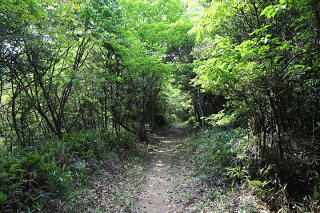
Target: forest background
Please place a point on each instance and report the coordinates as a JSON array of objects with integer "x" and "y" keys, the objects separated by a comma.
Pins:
[{"x": 82, "y": 80}]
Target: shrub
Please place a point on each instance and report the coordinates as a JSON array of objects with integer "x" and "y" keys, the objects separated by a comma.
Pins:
[
  {"x": 216, "y": 151},
  {"x": 26, "y": 178}
]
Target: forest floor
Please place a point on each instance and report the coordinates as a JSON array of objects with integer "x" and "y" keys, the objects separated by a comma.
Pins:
[{"x": 164, "y": 181}]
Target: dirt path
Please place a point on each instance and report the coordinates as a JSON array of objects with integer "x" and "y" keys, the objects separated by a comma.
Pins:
[
  {"x": 170, "y": 185},
  {"x": 157, "y": 194}
]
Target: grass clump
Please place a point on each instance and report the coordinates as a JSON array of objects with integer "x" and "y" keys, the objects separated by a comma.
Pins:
[
  {"x": 29, "y": 179},
  {"x": 215, "y": 151}
]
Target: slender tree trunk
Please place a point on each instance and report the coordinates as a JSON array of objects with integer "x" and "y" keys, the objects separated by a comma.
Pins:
[
  {"x": 142, "y": 134},
  {"x": 14, "y": 119},
  {"x": 13, "y": 112},
  {"x": 276, "y": 120}
]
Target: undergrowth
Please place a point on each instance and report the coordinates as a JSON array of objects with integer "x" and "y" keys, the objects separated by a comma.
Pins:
[
  {"x": 227, "y": 158},
  {"x": 214, "y": 152},
  {"x": 43, "y": 177}
]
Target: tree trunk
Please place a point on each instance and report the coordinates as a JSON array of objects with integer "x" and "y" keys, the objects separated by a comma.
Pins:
[
  {"x": 276, "y": 120},
  {"x": 142, "y": 132}
]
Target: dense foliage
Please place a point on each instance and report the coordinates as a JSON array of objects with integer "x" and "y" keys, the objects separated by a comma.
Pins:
[
  {"x": 76, "y": 78},
  {"x": 263, "y": 57}
]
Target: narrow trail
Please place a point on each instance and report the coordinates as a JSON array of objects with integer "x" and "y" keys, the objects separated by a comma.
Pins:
[
  {"x": 167, "y": 184},
  {"x": 157, "y": 194}
]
